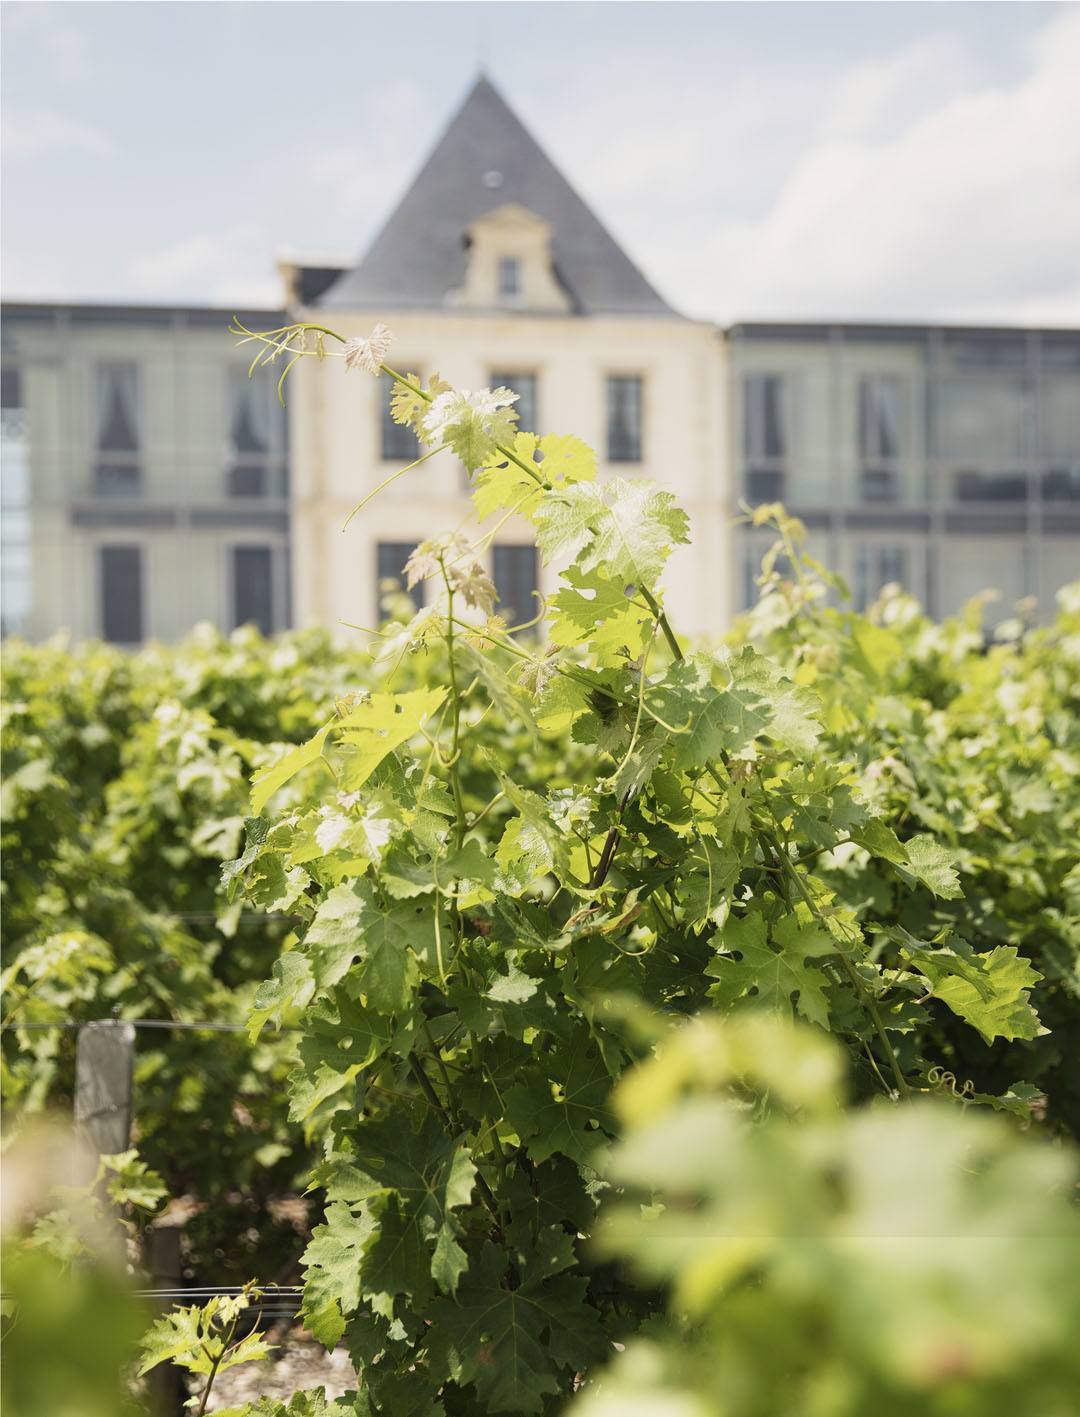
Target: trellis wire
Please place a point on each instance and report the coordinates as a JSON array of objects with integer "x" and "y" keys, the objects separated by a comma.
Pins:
[
  {"x": 278, "y": 1301},
  {"x": 166, "y": 1023}
]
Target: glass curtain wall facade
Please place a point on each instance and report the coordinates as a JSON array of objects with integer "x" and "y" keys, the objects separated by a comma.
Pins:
[
  {"x": 15, "y": 511},
  {"x": 945, "y": 459},
  {"x": 145, "y": 476}
]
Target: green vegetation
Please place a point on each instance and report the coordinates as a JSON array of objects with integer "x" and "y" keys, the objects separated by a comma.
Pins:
[
  {"x": 126, "y": 781},
  {"x": 920, "y": 1260},
  {"x": 578, "y": 938}
]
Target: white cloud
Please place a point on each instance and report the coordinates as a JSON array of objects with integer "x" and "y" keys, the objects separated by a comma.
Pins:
[
  {"x": 231, "y": 266},
  {"x": 39, "y": 275},
  {"x": 878, "y": 97},
  {"x": 903, "y": 187},
  {"x": 33, "y": 133}
]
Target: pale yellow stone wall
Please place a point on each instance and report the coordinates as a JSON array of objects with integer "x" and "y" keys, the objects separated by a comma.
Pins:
[{"x": 335, "y": 446}]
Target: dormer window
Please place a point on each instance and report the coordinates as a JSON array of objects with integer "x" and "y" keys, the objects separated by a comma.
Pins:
[
  {"x": 509, "y": 264},
  {"x": 509, "y": 277}
]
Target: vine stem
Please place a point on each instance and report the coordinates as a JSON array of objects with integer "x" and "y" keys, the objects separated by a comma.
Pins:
[
  {"x": 215, "y": 1364},
  {"x": 869, "y": 1002},
  {"x": 209, "y": 1384},
  {"x": 417, "y": 1070},
  {"x": 662, "y": 620},
  {"x": 455, "y": 714}
]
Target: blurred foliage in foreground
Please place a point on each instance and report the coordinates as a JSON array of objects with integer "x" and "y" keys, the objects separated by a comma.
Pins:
[
  {"x": 70, "y": 1322},
  {"x": 829, "y": 1262}
]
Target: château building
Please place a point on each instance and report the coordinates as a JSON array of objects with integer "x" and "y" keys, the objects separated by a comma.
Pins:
[
  {"x": 492, "y": 270},
  {"x": 149, "y": 485}
]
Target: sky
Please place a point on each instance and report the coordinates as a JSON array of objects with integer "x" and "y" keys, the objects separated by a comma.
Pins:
[{"x": 767, "y": 160}]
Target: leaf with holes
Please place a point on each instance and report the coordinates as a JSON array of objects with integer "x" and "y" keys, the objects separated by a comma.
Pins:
[{"x": 775, "y": 978}]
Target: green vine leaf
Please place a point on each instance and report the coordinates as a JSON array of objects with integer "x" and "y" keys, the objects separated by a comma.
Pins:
[
  {"x": 350, "y": 926},
  {"x": 517, "y": 1344},
  {"x": 990, "y": 991},
  {"x": 625, "y": 530},
  {"x": 291, "y": 986},
  {"x": 340, "y": 1040},
  {"x": 706, "y": 721},
  {"x": 332, "y": 1279},
  {"x": 562, "y": 1107},
  {"x": 593, "y": 609},
  {"x": 781, "y": 979},
  {"x": 267, "y": 782},
  {"x": 412, "y": 1180},
  {"x": 381, "y": 724},
  {"x": 933, "y": 865}
]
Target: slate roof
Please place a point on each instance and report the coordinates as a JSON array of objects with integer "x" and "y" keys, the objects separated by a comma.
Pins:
[{"x": 420, "y": 253}]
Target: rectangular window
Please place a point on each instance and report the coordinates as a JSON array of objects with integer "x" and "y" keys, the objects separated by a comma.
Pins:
[
  {"x": 515, "y": 573},
  {"x": 15, "y": 509},
  {"x": 879, "y": 418},
  {"x": 1062, "y": 484},
  {"x": 751, "y": 571},
  {"x": 116, "y": 468},
  {"x": 390, "y": 558},
  {"x": 624, "y": 418},
  {"x": 983, "y": 433},
  {"x": 765, "y": 440},
  {"x": 248, "y": 449},
  {"x": 121, "y": 583},
  {"x": 879, "y": 437},
  {"x": 247, "y": 480},
  {"x": 509, "y": 277},
  {"x": 764, "y": 417},
  {"x": 1061, "y": 437},
  {"x": 398, "y": 443},
  {"x": 10, "y": 389},
  {"x": 524, "y": 385},
  {"x": 879, "y": 484},
  {"x": 876, "y": 567},
  {"x": 764, "y": 484},
  {"x": 253, "y": 587},
  {"x": 971, "y": 485}
]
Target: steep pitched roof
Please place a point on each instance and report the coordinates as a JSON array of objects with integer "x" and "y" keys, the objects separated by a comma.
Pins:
[{"x": 484, "y": 160}]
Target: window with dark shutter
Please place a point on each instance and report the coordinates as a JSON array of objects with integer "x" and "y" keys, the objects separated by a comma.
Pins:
[
  {"x": 398, "y": 443},
  {"x": 876, "y": 567},
  {"x": 879, "y": 437},
  {"x": 624, "y": 418},
  {"x": 253, "y": 587},
  {"x": 10, "y": 387},
  {"x": 524, "y": 385},
  {"x": 121, "y": 578},
  {"x": 515, "y": 573},
  {"x": 390, "y": 558},
  {"x": 765, "y": 439}
]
